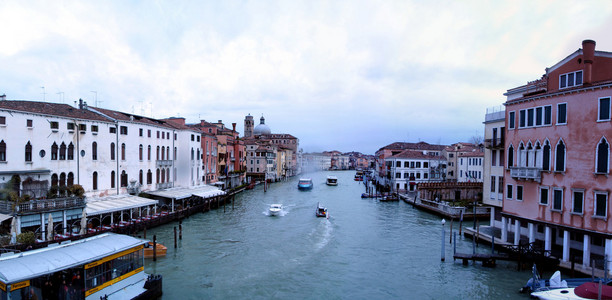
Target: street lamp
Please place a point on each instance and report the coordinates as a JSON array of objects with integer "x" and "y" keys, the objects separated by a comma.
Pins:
[{"x": 442, "y": 251}]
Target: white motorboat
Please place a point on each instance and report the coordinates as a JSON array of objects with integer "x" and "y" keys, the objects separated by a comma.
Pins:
[
  {"x": 589, "y": 290},
  {"x": 332, "y": 180},
  {"x": 275, "y": 209}
]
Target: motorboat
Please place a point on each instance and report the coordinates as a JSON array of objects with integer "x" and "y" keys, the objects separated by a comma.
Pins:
[
  {"x": 537, "y": 284},
  {"x": 275, "y": 209},
  {"x": 332, "y": 180},
  {"x": 588, "y": 290},
  {"x": 160, "y": 250},
  {"x": 321, "y": 211},
  {"x": 305, "y": 184}
]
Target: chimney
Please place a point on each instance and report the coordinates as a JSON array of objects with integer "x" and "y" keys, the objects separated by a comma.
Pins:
[
  {"x": 588, "y": 54},
  {"x": 233, "y": 126},
  {"x": 80, "y": 103}
]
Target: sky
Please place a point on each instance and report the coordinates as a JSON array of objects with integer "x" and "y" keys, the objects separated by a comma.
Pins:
[{"x": 338, "y": 75}]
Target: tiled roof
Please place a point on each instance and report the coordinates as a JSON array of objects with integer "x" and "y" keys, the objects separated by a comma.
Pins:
[
  {"x": 122, "y": 116},
  {"x": 51, "y": 109},
  {"x": 417, "y": 155},
  {"x": 413, "y": 146},
  {"x": 472, "y": 154}
]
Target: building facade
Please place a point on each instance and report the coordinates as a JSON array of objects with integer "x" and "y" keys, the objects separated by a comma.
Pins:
[{"x": 493, "y": 166}]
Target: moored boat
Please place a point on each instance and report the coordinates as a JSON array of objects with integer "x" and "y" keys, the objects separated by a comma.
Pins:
[
  {"x": 305, "y": 184},
  {"x": 321, "y": 211},
  {"x": 589, "y": 290},
  {"x": 332, "y": 180},
  {"x": 275, "y": 209},
  {"x": 160, "y": 250}
]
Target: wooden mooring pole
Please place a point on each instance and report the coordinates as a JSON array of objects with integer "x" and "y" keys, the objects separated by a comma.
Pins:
[
  {"x": 450, "y": 236},
  {"x": 180, "y": 230},
  {"x": 174, "y": 236},
  {"x": 154, "y": 248},
  {"x": 144, "y": 233}
]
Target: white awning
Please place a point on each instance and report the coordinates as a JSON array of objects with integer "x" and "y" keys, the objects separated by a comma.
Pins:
[
  {"x": 4, "y": 217},
  {"x": 207, "y": 191},
  {"x": 204, "y": 191},
  {"x": 173, "y": 193},
  {"x": 97, "y": 206}
]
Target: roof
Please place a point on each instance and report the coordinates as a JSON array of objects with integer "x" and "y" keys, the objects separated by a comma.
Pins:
[
  {"x": 31, "y": 264},
  {"x": 472, "y": 154},
  {"x": 417, "y": 155},
  {"x": 413, "y": 146},
  {"x": 115, "y": 203},
  {"x": 126, "y": 117},
  {"x": 51, "y": 109},
  {"x": 204, "y": 191}
]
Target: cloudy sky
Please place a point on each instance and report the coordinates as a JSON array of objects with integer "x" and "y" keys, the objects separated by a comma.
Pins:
[{"x": 339, "y": 75}]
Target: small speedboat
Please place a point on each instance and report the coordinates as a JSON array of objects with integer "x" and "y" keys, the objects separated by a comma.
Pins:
[
  {"x": 321, "y": 211},
  {"x": 160, "y": 250},
  {"x": 589, "y": 290},
  {"x": 332, "y": 180},
  {"x": 305, "y": 184},
  {"x": 275, "y": 209}
]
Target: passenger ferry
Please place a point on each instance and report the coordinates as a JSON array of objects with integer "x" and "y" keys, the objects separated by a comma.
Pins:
[
  {"x": 332, "y": 180},
  {"x": 305, "y": 184},
  {"x": 105, "y": 266}
]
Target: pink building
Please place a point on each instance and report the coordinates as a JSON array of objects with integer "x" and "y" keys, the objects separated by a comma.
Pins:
[{"x": 558, "y": 158}]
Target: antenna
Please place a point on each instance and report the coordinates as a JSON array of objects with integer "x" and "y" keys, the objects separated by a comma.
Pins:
[
  {"x": 96, "y": 93},
  {"x": 61, "y": 96},
  {"x": 141, "y": 107},
  {"x": 43, "y": 93}
]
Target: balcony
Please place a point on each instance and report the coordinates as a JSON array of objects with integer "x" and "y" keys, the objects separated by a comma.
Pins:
[
  {"x": 46, "y": 205},
  {"x": 163, "y": 163},
  {"x": 526, "y": 173},
  {"x": 165, "y": 185},
  {"x": 497, "y": 143}
]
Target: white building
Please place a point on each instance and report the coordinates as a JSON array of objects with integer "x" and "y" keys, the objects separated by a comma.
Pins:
[
  {"x": 493, "y": 166},
  {"x": 469, "y": 166},
  {"x": 408, "y": 168}
]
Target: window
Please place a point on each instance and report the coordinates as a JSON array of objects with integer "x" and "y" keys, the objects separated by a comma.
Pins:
[
  {"x": 493, "y": 157},
  {"x": 148, "y": 132},
  {"x": 94, "y": 129},
  {"x": 149, "y": 153},
  {"x": 510, "y": 156},
  {"x": 157, "y": 176},
  {"x": 28, "y": 123},
  {"x": 124, "y": 179},
  {"x": 94, "y": 151},
  {"x": 561, "y": 113},
  {"x": 570, "y": 79},
  {"x": 95, "y": 180},
  {"x": 70, "y": 181},
  {"x": 500, "y": 188},
  {"x": 82, "y": 128},
  {"x": 450, "y": 155},
  {"x": 509, "y": 191},
  {"x": 602, "y": 157},
  {"x": 544, "y": 195},
  {"x": 198, "y": 138},
  {"x": 175, "y": 153},
  {"x": 123, "y": 130},
  {"x": 70, "y": 151},
  {"x": 398, "y": 164},
  {"x": 557, "y": 199},
  {"x": 158, "y": 134},
  {"x": 175, "y": 136},
  {"x": 62, "y": 151},
  {"x": 406, "y": 164},
  {"x": 425, "y": 164},
  {"x": 546, "y": 157},
  {"x": 577, "y": 201},
  {"x": 548, "y": 115},
  {"x": 560, "y": 157},
  {"x": 519, "y": 192},
  {"x": 54, "y": 150},
  {"x": 530, "y": 113},
  {"x": 140, "y": 133},
  {"x": 3, "y": 150},
  {"x": 54, "y": 125},
  {"x": 522, "y": 122},
  {"x": 112, "y": 130},
  {"x": 28, "y": 152},
  {"x": 70, "y": 126},
  {"x": 112, "y": 151},
  {"x": 604, "y": 109},
  {"x": 140, "y": 177},
  {"x": 122, "y": 151},
  {"x": 492, "y": 184},
  {"x": 112, "y": 179},
  {"x": 601, "y": 204},
  {"x": 149, "y": 177},
  {"x": 140, "y": 150},
  {"x": 157, "y": 154},
  {"x": 398, "y": 175},
  {"x": 62, "y": 180},
  {"x": 511, "y": 119},
  {"x": 538, "y": 116},
  {"x": 2, "y": 120},
  {"x": 163, "y": 153}
]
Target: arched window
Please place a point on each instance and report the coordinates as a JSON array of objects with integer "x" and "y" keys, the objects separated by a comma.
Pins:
[
  {"x": 163, "y": 149},
  {"x": 54, "y": 150},
  {"x": 140, "y": 153},
  {"x": 157, "y": 156},
  {"x": 168, "y": 175},
  {"x": 157, "y": 176},
  {"x": 560, "y": 157},
  {"x": 3, "y": 150},
  {"x": 603, "y": 157},
  {"x": 510, "y": 156},
  {"x": 192, "y": 154},
  {"x": 198, "y": 156},
  {"x": 62, "y": 180},
  {"x": 174, "y": 153},
  {"x": 28, "y": 152},
  {"x": 140, "y": 175},
  {"x": 168, "y": 153},
  {"x": 70, "y": 151},
  {"x": 149, "y": 153},
  {"x": 149, "y": 177},
  {"x": 94, "y": 151},
  {"x": 124, "y": 179},
  {"x": 62, "y": 152},
  {"x": 112, "y": 179},
  {"x": 70, "y": 179},
  {"x": 546, "y": 157},
  {"x": 529, "y": 161},
  {"x": 95, "y": 181},
  {"x": 522, "y": 155},
  {"x": 54, "y": 180},
  {"x": 163, "y": 175},
  {"x": 123, "y": 151},
  {"x": 112, "y": 149}
]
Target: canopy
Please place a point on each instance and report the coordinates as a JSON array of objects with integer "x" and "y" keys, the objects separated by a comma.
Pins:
[
  {"x": 116, "y": 203},
  {"x": 35, "y": 263},
  {"x": 4, "y": 217},
  {"x": 204, "y": 191}
]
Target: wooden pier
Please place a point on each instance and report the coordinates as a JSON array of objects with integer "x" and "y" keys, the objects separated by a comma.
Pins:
[{"x": 486, "y": 259}]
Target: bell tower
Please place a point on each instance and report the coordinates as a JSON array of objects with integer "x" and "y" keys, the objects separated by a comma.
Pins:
[{"x": 248, "y": 126}]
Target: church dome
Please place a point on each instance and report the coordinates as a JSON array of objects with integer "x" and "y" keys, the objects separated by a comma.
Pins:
[{"x": 262, "y": 128}]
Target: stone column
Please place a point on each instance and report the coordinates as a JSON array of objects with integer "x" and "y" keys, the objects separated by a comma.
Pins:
[
  {"x": 531, "y": 228},
  {"x": 547, "y": 239},
  {"x": 43, "y": 230},
  {"x": 64, "y": 221},
  {"x": 504, "y": 229},
  {"x": 566, "y": 246},
  {"x": 517, "y": 232},
  {"x": 492, "y": 218},
  {"x": 608, "y": 254},
  {"x": 586, "y": 250}
]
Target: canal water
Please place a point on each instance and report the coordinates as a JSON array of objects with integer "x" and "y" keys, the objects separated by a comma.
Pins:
[{"x": 367, "y": 249}]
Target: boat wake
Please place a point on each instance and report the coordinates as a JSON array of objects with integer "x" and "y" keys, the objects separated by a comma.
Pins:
[{"x": 324, "y": 234}]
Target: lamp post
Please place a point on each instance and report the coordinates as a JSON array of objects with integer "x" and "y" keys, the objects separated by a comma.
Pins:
[{"x": 442, "y": 251}]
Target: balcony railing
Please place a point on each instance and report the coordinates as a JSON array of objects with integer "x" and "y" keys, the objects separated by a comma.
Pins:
[
  {"x": 35, "y": 206},
  {"x": 526, "y": 173},
  {"x": 164, "y": 185},
  {"x": 163, "y": 163},
  {"x": 494, "y": 143}
]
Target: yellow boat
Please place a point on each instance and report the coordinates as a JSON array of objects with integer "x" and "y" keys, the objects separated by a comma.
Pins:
[{"x": 161, "y": 250}]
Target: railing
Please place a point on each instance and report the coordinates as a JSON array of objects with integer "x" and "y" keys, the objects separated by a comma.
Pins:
[
  {"x": 163, "y": 163},
  {"x": 494, "y": 143},
  {"x": 164, "y": 185},
  {"x": 6, "y": 207},
  {"x": 526, "y": 173},
  {"x": 454, "y": 211}
]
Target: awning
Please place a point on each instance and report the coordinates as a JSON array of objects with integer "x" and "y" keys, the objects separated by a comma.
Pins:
[
  {"x": 207, "y": 191},
  {"x": 4, "y": 217},
  {"x": 97, "y": 206},
  {"x": 172, "y": 193},
  {"x": 203, "y": 191}
]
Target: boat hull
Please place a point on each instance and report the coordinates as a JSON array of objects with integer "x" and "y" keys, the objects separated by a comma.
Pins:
[{"x": 160, "y": 251}]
